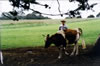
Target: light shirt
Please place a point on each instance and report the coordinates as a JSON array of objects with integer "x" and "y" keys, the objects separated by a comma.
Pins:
[{"x": 63, "y": 27}]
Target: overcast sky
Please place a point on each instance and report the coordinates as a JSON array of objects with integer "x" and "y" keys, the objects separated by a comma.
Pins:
[{"x": 65, "y": 7}]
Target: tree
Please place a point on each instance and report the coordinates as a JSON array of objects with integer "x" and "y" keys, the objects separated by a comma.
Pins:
[
  {"x": 91, "y": 16},
  {"x": 98, "y": 15},
  {"x": 25, "y": 4},
  {"x": 35, "y": 15},
  {"x": 79, "y": 17}
]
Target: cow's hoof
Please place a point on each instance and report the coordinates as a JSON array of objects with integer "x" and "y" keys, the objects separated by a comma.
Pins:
[
  {"x": 66, "y": 53},
  {"x": 72, "y": 54},
  {"x": 76, "y": 54},
  {"x": 59, "y": 57}
]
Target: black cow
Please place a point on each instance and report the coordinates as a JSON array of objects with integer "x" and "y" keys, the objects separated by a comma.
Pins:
[{"x": 58, "y": 40}]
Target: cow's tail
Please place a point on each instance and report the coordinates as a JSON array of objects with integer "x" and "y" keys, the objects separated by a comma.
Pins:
[
  {"x": 83, "y": 44},
  {"x": 83, "y": 41}
]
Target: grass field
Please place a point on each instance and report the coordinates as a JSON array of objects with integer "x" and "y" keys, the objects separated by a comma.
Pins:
[{"x": 28, "y": 33}]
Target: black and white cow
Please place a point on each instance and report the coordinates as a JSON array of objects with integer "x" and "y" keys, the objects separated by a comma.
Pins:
[
  {"x": 58, "y": 40},
  {"x": 62, "y": 38}
]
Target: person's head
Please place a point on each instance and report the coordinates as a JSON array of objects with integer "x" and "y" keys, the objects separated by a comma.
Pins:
[{"x": 63, "y": 22}]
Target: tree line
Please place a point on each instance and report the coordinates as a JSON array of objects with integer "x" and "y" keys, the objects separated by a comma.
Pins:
[
  {"x": 35, "y": 15},
  {"x": 32, "y": 15}
]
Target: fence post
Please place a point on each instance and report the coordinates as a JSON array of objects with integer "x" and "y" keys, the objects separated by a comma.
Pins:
[{"x": 1, "y": 56}]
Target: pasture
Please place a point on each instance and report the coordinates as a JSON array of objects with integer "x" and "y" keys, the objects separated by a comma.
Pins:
[
  {"x": 28, "y": 33},
  {"x": 23, "y": 43}
]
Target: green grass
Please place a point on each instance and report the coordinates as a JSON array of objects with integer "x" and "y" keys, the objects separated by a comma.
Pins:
[{"x": 28, "y": 33}]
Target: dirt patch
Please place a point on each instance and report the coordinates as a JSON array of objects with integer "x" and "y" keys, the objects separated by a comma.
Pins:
[{"x": 39, "y": 55}]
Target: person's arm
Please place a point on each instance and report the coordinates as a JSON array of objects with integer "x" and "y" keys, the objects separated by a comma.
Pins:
[
  {"x": 66, "y": 26},
  {"x": 60, "y": 28}
]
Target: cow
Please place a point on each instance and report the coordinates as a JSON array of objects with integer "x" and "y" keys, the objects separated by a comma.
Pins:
[
  {"x": 72, "y": 37},
  {"x": 63, "y": 38},
  {"x": 58, "y": 40}
]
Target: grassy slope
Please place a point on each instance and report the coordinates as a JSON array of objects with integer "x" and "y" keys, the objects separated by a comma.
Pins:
[{"x": 29, "y": 32}]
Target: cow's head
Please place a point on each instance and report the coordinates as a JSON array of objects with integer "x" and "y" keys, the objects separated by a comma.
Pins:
[{"x": 48, "y": 41}]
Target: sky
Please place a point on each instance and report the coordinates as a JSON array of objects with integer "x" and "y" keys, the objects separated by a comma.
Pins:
[{"x": 65, "y": 6}]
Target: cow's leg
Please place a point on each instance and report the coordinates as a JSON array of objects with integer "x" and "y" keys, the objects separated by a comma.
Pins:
[
  {"x": 73, "y": 50},
  {"x": 77, "y": 50},
  {"x": 60, "y": 52},
  {"x": 66, "y": 51}
]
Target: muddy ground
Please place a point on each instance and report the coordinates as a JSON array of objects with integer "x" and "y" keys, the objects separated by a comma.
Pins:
[{"x": 38, "y": 55}]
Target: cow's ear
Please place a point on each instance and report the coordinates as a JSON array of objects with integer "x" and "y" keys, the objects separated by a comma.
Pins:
[{"x": 48, "y": 35}]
